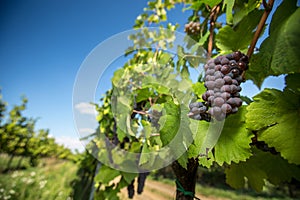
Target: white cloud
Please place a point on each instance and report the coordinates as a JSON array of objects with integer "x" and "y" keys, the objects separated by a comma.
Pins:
[
  {"x": 86, "y": 130},
  {"x": 70, "y": 142},
  {"x": 86, "y": 108}
]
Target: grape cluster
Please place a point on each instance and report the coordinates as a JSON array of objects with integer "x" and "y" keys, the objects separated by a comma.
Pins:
[
  {"x": 223, "y": 76},
  {"x": 198, "y": 111},
  {"x": 192, "y": 28},
  {"x": 141, "y": 184},
  {"x": 130, "y": 189}
]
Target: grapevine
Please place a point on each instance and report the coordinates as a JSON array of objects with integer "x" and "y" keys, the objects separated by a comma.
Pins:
[{"x": 251, "y": 131}]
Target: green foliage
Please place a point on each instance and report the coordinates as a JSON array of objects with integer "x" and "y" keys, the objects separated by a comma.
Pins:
[
  {"x": 232, "y": 145},
  {"x": 260, "y": 167},
  {"x": 280, "y": 124},
  {"x": 156, "y": 82},
  {"x": 235, "y": 38},
  {"x": 106, "y": 174},
  {"x": 18, "y": 137},
  {"x": 278, "y": 53}
]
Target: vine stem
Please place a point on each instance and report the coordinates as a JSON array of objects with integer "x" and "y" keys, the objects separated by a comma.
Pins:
[
  {"x": 140, "y": 112},
  {"x": 213, "y": 17},
  {"x": 268, "y": 7}
]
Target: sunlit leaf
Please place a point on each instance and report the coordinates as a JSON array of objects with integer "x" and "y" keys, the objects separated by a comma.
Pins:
[{"x": 275, "y": 115}]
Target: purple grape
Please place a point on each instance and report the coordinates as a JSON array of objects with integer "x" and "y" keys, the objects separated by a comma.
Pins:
[
  {"x": 218, "y": 67},
  {"x": 209, "y": 78},
  {"x": 219, "y": 101},
  {"x": 235, "y": 82},
  {"x": 219, "y": 82},
  {"x": 242, "y": 65},
  {"x": 210, "y": 85},
  {"x": 233, "y": 88},
  {"x": 225, "y": 69},
  {"x": 217, "y": 110},
  {"x": 218, "y": 74},
  {"x": 237, "y": 55},
  {"x": 224, "y": 61},
  {"x": 235, "y": 72},
  {"x": 232, "y": 63},
  {"x": 195, "y": 110},
  {"x": 231, "y": 101},
  {"x": 238, "y": 101},
  {"x": 225, "y": 95},
  {"x": 210, "y": 72},
  {"x": 228, "y": 80},
  {"x": 226, "y": 108},
  {"x": 226, "y": 88}
]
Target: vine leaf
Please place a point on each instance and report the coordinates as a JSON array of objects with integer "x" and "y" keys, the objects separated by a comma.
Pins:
[
  {"x": 279, "y": 52},
  {"x": 106, "y": 174},
  {"x": 243, "y": 8},
  {"x": 238, "y": 37},
  {"x": 262, "y": 165},
  {"x": 236, "y": 173},
  {"x": 229, "y": 7},
  {"x": 128, "y": 177},
  {"x": 199, "y": 89},
  {"x": 275, "y": 115},
  {"x": 211, "y": 3},
  {"x": 233, "y": 144},
  {"x": 292, "y": 82},
  {"x": 199, "y": 128},
  {"x": 175, "y": 132}
]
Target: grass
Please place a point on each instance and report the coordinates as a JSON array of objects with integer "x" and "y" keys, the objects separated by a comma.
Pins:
[
  {"x": 50, "y": 180},
  {"x": 232, "y": 194},
  {"x": 15, "y": 162}
]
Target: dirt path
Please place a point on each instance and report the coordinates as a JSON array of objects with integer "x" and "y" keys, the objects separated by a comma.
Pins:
[{"x": 155, "y": 190}]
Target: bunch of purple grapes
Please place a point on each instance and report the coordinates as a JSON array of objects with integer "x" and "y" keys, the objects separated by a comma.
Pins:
[
  {"x": 223, "y": 76},
  {"x": 192, "y": 28}
]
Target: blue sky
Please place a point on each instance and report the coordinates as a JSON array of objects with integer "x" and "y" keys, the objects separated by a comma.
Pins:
[{"x": 43, "y": 44}]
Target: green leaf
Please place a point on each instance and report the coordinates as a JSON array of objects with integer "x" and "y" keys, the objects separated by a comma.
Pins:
[
  {"x": 236, "y": 172},
  {"x": 170, "y": 125},
  {"x": 145, "y": 156},
  {"x": 183, "y": 160},
  {"x": 282, "y": 13},
  {"x": 211, "y": 3},
  {"x": 143, "y": 94},
  {"x": 243, "y": 8},
  {"x": 293, "y": 83},
  {"x": 233, "y": 144},
  {"x": 262, "y": 165},
  {"x": 277, "y": 169},
  {"x": 229, "y": 8},
  {"x": 106, "y": 174},
  {"x": 199, "y": 89},
  {"x": 286, "y": 58},
  {"x": 279, "y": 52},
  {"x": 128, "y": 177},
  {"x": 199, "y": 128},
  {"x": 276, "y": 117},
  {"x": 239, "y": 37},
  {"x": 117, "y": 77}
]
